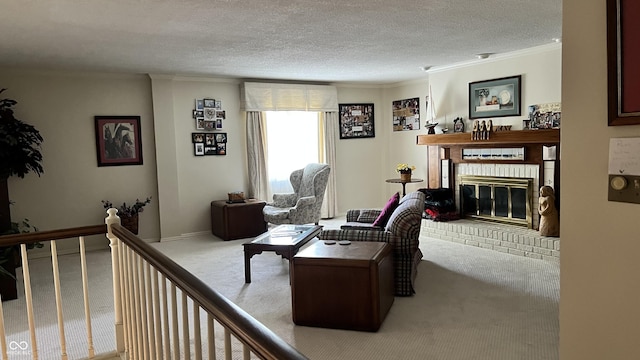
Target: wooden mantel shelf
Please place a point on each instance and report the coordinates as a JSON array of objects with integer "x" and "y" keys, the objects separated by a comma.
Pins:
[{"x": 517, "y": 137}]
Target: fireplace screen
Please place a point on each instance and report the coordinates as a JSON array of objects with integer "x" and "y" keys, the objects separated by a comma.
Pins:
[{"x": 500, "y": 199}]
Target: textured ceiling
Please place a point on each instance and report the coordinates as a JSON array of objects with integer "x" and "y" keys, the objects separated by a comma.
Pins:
[{"x": 357, "y": 41}]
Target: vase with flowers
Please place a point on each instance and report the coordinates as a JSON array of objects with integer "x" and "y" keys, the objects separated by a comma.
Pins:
[
  {"x": 405, "y": 171},
  {"x": 128, "y": 213}
]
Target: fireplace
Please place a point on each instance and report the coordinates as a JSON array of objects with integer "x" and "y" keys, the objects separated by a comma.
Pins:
[
  {"x": 446, "y": 162},
  {"x": 495, "y": 198}
]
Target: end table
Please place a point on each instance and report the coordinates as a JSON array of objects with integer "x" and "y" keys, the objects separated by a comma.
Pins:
[
  {"x": 404, "y": 183},
  {"x": 231, "y": 221}
]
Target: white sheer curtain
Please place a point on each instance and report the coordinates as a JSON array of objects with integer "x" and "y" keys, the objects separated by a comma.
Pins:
[
  {"x": 257, "y": 156},
  {"x": 329, "y": 120}
]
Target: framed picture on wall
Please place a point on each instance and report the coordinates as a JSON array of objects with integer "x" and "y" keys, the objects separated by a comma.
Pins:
[
  {"x": 206, "y": 143},
  {"x": 406, "y": 114},
  {"x": 495, "y": 98},
  {"x": 623, "y": 30},
  {"x": 118, "y": 140},
  {"x": 198, "y": 149},
  {"x": 356, "y": 121}
]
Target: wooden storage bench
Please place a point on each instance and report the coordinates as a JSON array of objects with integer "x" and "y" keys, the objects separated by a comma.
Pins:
[{"x": 342, "y": 286}]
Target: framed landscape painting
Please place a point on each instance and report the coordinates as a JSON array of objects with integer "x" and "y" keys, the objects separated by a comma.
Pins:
[{"x": 118, "y": 140}]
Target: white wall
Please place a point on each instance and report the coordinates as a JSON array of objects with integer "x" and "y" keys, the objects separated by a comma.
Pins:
[
  {"x": 191, "y": 182},
  {"x": 541, "y": 74},
  {"x": 600, "y": 271},
  {"x": 360, "y": 162},
  {"x": 62, "y": 107},
  {"x": 401, "y": 145}
]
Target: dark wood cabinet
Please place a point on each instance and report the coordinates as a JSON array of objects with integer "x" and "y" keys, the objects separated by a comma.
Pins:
[
  {"x": 342, "y": 286},
  {"x": 231, "y": 221}
]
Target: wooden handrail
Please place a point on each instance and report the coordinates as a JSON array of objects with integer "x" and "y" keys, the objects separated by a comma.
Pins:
[
  {"x": 246, "y": 328},
  {"x": 27, "y": 238},
  {"x": 264, "y": 342}
]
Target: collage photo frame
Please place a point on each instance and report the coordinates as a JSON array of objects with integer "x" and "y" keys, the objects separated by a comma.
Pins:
[{"x": 206, "y": 143}]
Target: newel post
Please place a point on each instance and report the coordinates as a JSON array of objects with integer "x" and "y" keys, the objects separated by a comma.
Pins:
[{"x": 115, "y": 266}]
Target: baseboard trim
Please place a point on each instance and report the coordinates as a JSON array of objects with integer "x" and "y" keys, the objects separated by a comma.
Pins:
[{"x": 184, "y": 236}]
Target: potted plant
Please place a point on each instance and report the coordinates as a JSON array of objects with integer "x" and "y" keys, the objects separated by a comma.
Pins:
[
  {"x": 405, "y": 171},
  {"x": 19, "y": 155},
  {"x": 129, "y": 213},
  {"x": 10, "y": 259}
]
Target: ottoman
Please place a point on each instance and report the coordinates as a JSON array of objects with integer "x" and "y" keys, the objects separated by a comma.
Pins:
[{"x": 342, "y": 286}]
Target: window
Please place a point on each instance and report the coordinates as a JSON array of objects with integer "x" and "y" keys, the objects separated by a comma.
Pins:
[{"x": 292, "y": 142}]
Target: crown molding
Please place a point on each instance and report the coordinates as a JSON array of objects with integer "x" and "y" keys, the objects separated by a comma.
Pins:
[{"x": 498, "y": 57}]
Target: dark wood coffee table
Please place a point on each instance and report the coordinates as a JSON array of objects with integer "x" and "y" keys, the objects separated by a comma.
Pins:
[{"x": 284, "y": 240}]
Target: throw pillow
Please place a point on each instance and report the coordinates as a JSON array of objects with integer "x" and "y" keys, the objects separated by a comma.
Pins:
[
  {"x": 368, "y": 216},
  {"x": 388, "y": 209}
]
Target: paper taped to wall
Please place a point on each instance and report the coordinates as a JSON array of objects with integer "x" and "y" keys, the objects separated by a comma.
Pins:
[{"x": 624, "y": 156}]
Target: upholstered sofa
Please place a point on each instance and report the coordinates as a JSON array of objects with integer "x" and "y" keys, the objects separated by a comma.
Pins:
[{"x": 402, "y": 230}]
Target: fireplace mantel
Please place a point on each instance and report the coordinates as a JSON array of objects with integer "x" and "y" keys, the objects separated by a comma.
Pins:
[
  {"x": 449, "y": 147},
  {"x": 499, "y": 138}
]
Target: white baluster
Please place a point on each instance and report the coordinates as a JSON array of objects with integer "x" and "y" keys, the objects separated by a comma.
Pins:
[
  {"x": 196, "y": 331},
  {"x": 133, "y": 334},
  {"x": 29, "y": 300},
  {"x": 165, "y": 317},
  {"x": 156, "y": 308},
  {"x": 185, "y": 326},
  {"x": 143, "y": 309},
  {"x": 3, "y": 336},
  {"x": 122, "y": 265},
  {"x": 227, "y": 344},
  {"x": 150, "y": 318},
  {"x": 246, "y": 352},
  {"x": 136, "y": 298},
  {"x": 211, "y": 336},
  {"x": 174, "y": 323},
  {"x": 85, "y": 294},
  {"x": 56, "y": 287}
]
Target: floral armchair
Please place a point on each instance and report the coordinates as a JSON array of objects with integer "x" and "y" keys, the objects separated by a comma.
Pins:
[
  {"x": 303, "y": 205},
  {"x": 402, "y": 230}
]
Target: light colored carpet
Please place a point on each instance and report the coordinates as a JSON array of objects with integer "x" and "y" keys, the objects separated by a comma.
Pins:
[{"x": 470, "y": 303}]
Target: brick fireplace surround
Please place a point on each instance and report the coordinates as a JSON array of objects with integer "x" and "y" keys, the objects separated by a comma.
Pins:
[
  {"x": 445, "y": 163},
  {"x": 515, "y": 240}
]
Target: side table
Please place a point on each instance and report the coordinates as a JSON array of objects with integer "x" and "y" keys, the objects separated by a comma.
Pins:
[
  {"x": 231, "y": 221},
  {"x": 404, "y": 183}
]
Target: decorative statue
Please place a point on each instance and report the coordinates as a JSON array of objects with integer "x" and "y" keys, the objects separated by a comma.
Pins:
[
  {"x": 483, "y": 130},
  {"x": 549, "y": 222},
  {"x": 475, "y": 134}
]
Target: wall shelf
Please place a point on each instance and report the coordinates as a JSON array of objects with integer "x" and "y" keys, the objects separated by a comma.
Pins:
[{"x": 513, "y": 137}]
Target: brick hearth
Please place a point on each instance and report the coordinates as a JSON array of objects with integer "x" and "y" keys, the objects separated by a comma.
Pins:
[{"x": 509, "y": 239}]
